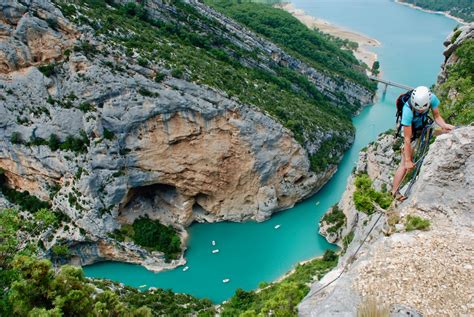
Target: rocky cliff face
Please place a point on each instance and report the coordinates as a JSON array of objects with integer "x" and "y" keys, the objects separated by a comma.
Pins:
[
  {"x": 419, "y": 272},
  {"x": 454, "y": 40},
  {"x": 173, "y": 150}
]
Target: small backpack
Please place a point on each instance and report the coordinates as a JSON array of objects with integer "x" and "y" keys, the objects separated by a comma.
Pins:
[{"x": 401, "y": 101}]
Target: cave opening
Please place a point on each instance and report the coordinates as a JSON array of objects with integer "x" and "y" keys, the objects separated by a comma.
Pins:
[{"x": 148, "y": 200}]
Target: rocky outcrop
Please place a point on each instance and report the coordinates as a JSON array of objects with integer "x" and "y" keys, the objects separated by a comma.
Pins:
[
  {"x": 32, "y": 39},
  {"x": 379, "y": 161},
  {"x": 173, "y": 150},
  {"x": 422, "y": 272},
  {"x": 452, "y": 42}
]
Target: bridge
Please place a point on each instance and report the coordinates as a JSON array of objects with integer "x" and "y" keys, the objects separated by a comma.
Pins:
[{"x": 390, "y": 83}]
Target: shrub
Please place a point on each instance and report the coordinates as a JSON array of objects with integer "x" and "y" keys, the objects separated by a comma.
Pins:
[
  {"x": 37, "y": 141},
  {"x": 160, "y": 77},
  {"x": 86, "y": 107},
  {"x": 416, "y": 223},
  {"x": 177, "y": 72},
  {"x": 455, "y": 35},
  {"x": 48, "y": 70},
  {"x": 109, "y": 135},
  {"x": 78, "y": 145},
  {"x": 146, "y": 93},
  {"x": 365, "y": 196},
  {"x": 370, "y": 308},
  {"x": 142, "y": 62},
  {"x": 16, "y": 138},
  {"x": 54, "y": 142}
]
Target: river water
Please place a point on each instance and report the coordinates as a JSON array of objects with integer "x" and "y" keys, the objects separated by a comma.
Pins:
[{"x": 250, "y": 253}]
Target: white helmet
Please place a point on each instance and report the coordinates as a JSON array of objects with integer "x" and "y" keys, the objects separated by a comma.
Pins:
[{"x": 421, "y": 98}]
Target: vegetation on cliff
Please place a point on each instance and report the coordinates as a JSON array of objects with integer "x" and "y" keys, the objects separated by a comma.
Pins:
[
  {"x": 152, "y": 235},
  {"x": 365, "y": 195},
  {"x": 463, "y": 9},
  {"x": 280, "y": 298},
  {"x": 457, "y": 92},
  {"x": 335, "y": 219}
]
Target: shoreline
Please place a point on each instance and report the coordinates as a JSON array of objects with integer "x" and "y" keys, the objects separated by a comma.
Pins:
[
  {"x": 363, "y": 52},
  {"x": 446, "y": 14}
]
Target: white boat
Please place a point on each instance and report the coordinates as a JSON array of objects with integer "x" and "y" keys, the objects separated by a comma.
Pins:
[
  {"x": 277, "y": 226},
  {"x": 185, "y": 268},
  {"x": 142, "y": 286},
  {"x": 317, "y": 203},
  {"x": 215, "y": 251},
  {"x": 213, "y": 242},
  {"x": 226, "y": 280}
]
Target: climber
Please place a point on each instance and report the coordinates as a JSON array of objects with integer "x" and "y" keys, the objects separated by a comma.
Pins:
[{"x": 414, "y": 117}]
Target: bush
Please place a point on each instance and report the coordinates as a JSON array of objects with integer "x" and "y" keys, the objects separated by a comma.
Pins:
[
  {"x": 109, "y": 135},
  {"x": 146, "y": 93},
  {"x": 48, "y": 70},
  {"x": 16, "y": 138},
  {"x": 78, "y": 145},
  {"x": 365, "y": 196},
  {"x": 416, "y": 223},
  {"x": 455, "y": 35},
  {"x": 177, "y": 72},
  {"x": 160, "y": 77},
  {"x": 86, "y": 107},
  {"x": 53, "y": 142}
]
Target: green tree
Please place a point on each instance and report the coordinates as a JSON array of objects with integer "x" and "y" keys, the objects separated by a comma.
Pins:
[{"x": 375, "y": 68}]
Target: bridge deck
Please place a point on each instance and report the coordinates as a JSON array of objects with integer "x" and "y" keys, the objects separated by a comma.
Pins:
[{"x": 390, "y": 83}]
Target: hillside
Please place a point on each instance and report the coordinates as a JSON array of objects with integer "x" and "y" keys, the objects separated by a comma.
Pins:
[{"x": 463, "y": 9}]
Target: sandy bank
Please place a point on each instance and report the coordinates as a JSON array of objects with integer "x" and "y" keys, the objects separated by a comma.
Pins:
[{"x": 363, "y": 52}]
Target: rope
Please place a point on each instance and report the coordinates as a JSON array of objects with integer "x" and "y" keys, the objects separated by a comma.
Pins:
[
  {"x": 423, "y": 145},
  {"x": 424, "y": 142},
  {"x": 380, "y": 211}
]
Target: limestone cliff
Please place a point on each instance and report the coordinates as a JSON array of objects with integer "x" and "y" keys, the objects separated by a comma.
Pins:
[
  {"x": 80, "y": 114},
  {"x": 422, "y": 272}
]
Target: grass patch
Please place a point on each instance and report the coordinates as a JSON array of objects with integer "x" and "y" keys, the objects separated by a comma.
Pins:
[{"x": 416, "y": 223}]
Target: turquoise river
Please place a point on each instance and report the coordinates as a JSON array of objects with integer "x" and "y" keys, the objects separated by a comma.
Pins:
[{"x": 411, "y": 53}]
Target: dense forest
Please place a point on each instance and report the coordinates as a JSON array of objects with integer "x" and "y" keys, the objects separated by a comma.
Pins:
[{"x": 463, "y": 9}]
